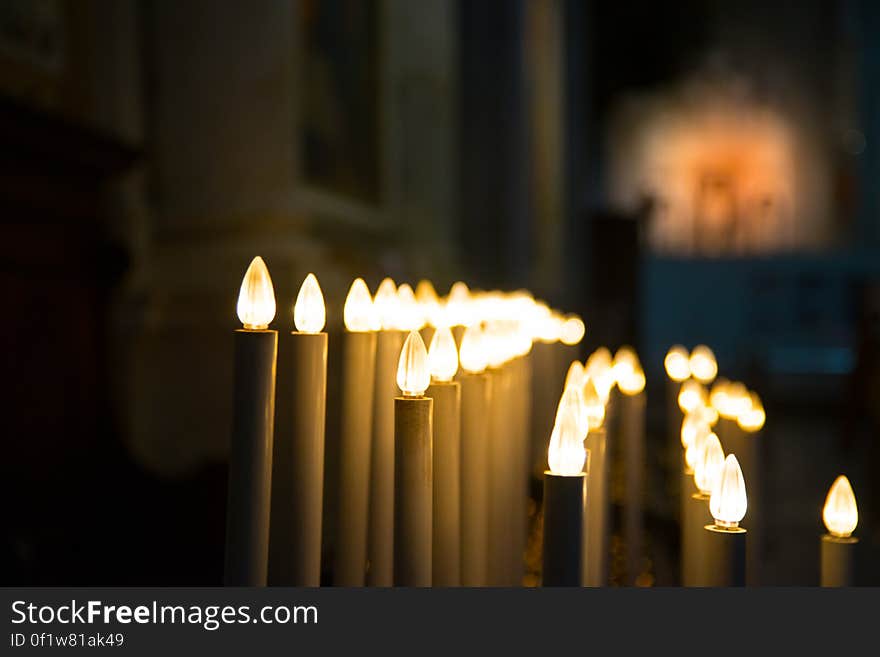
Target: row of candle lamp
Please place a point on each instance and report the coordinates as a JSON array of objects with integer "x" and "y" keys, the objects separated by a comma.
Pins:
[
  {"x": 397, "y": 442},
  {"x": 730, "y": 416}
]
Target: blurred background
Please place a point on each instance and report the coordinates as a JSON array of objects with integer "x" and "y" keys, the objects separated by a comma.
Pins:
[{"x": 696, "y": 171}]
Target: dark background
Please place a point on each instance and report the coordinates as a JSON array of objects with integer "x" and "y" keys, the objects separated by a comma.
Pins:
[{"x": 148, "y": 149}]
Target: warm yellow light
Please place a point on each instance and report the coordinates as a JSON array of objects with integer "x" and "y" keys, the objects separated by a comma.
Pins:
[
  {"x": 545, "y": 325},
  {"x": 409, "y": 316},
  {"x": 413, "y": 377},
  {"x": 575, "y": 375},
  {"x": 256, "y": 298},
  {"x": 309, "y": 314},
  {"x": 458, "y": 305},
  {"x": 358, "y": 312},
  {"x": 840, "y": 514},
  {"x": 573, "y": 330},
  {"x": 691, "y": 396},
  {"x": 429, "y": 303},
  {"x": 707, "y": 469},
  {"x": 495, "y": 344},
  {"x": 694, "y": 451},
  {"x": 692, "y": 424},
  {"x": 386, "y": 304},
  {"x": 572, "y": 401},
  {"x": 753, "y": 419},
  {"x": 566, "y": 454},
  {"x": 593, "y": 404},
  {"x": 632, "y": 382},
  {"x": 706, "y": 413},
  {"x": 677, "y": 363},
  {"x": 599, "y": 368},
  {"x": 472, "y": 353},
  {"x": 702, "y": 363},
  {"x": 625, "y": 361},
  {"x": 718, "y": 397},
  {"x": 738, "y": 401},
  {"x": 728, "y": 503},
  {"x": 443, "y": 355}
]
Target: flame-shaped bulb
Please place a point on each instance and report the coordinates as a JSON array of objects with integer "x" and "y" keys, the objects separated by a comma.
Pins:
[
  {"x": 708, "y": 466},
  {"x": 309, "y": 314},
  {"x": 443, "y": 355},
  {"x": 677, "y": 363},
  {"x": 458, "y": 305},
  {"x": 566, "y": 454},
  {"x": 572, "y": 331},
  {"x": 575, "y": 375},
  {"x": 694, "y": 451},
  {"x": 753, "y": 419},
  {"x": 358, "y": 312},
  {"x": 593, "y": 405},
  {"x": 572, "y": 403},
  {"x": 472, "y": 354},
  {"x": 840, "y": 513},
  {"x": 256, "y": 299},
  {"x": 386, "y": 304},
  {"x": 409, "y": 315},
  {"x": 702, "y": 364},
  {"x": 413, "y": 377},
  {"x": 728, "y": 503},
  {"x": 691, "y": 395}
]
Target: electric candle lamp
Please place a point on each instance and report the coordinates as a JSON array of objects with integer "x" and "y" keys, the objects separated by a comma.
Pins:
[
  {"x": 633, "y": 382},
  {"x": 299, "y": 458},
  {"x": 458, "y": 305},
  {"x": 446, "y": 393},
  {"x": 728, "y": 502},
  {"x": 599, "y": 368},
  {"x": 387, "y": 304},
  {"x": 572, "y": 331},
  {"x": 427, "y": 298},
  {"x": 413, "y": 467},
  {"x": 752, "y": 420},
  {"x": 625, "y": 361},
  {"x": 702, "y": 364},
  {"x": 250, "y": 453},
  {"x": 677, "y": 366},
  {"x": 256, "y": 298},
  {"x": 575, "y": 375},
  {"x": 472, "y": 354},
  {"x": 476, "y": 395},
  {"x": 691, "y": 396},
  {"x": 564, "y": 494},
  {"x": 409, "y": 316},
  {"x": 443, "y": 355},
  {"x": 358, "y": 379},
  {"x": 706, "y": 470},
  {"x": 725, "y": 540},
  {"x": 389, "y": 342},
  {"x": 718, "y": 394},
  {"x": 694, "y": 451},
  {"x": 840, "y": 516},
  {"x": 630, "y": 378},
  {"x": 677, "y": 363},
  {"x": 708, "y": 467},
  {"x": 572, "y": 403},
  {"x": 690, "y": 426},
  {"x": 594, "y": 407}
]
